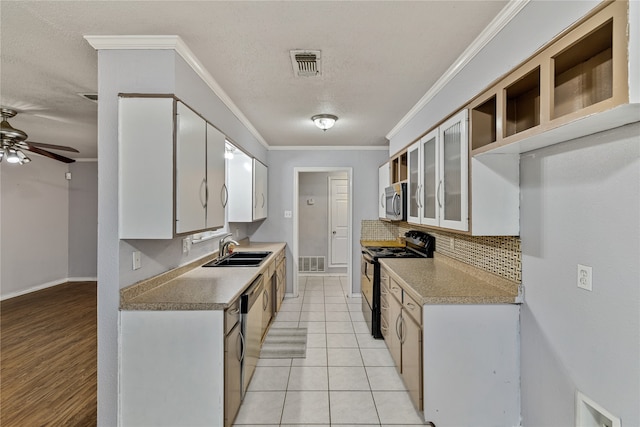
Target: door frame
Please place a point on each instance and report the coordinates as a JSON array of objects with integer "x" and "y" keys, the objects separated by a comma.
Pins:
[{"x": 295, "y": 249}]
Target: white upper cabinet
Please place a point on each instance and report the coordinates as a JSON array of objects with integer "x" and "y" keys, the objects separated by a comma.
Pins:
[
  {"x": 247, "y": 185},
  {"x": 438, "y": 176},
  {"x": 260, "y": 190},
  {"x": 438, "y": 184},
  {"x": 217, "y": 194},
  {"x": 162, "y": 194},
  {"x": 191, "y": 166},
  {"x": 383, "y": 183}
]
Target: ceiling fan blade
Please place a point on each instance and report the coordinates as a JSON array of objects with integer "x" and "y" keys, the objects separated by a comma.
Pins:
[
  {"x": 52, "y": 146},
  {"x": 50, "y": 154}
]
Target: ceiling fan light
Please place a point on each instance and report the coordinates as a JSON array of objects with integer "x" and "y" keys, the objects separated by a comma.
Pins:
[
  {"x": 12, "y": 157},
  {"x": 23, "y": 157},
  {"x": 1, "y": 154},
  {"x": 324, "y": 121}
]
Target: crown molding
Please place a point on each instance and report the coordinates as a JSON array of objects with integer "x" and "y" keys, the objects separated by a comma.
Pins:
[
  {"x": 143, "y": 42},
  {"x": 495, "y": 26},
  {"x": 328, "y": 148}
]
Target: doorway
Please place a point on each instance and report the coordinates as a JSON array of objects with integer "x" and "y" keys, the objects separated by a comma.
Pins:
[{"x": 317, "y": 210}]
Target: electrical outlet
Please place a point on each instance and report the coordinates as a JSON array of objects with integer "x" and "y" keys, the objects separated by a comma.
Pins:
[
  {"x": 136, "y": 260},
  {"x": 585, "y": 277},
  {"x": 186, "y": 245},
  {"x": 287, "y": 214}
]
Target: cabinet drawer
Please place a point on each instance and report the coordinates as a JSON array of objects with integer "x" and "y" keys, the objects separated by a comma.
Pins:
[
  {"x": 412, "y": 308},
  {"x": 395, "y": 290},
  {"x": 231, "y": 316}
]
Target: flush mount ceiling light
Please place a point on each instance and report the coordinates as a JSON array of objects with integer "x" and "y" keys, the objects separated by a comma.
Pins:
[{"x": 324, "y": 121}]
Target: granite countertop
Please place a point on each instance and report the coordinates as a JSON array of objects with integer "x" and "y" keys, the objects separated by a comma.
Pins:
[
  {"x": 194, "y": 288},
  {"x": 388, "y": 243},
  {"x": 443, "y": 280}
]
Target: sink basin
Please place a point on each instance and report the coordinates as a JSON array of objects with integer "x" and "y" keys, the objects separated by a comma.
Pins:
[
  {"x": 240, "y": 259},
  {"x": 260, "y": 255}
]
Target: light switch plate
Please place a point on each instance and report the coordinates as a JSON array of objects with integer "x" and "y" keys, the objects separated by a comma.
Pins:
[{"x": 136, "y": 260}]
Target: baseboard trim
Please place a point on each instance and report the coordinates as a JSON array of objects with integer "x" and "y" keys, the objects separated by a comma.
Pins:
[{"x": 47, "y": 285}]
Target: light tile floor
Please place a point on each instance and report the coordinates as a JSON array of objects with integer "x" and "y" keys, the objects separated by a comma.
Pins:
[{"x": 347, "y": 379}]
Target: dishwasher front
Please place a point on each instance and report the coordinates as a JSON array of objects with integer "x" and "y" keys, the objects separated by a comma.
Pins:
[{"x": 251, "y": 329}]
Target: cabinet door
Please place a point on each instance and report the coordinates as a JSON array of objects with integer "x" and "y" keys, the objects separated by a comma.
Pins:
[
  {"x": 260, "y": 190},
  {"x": 232, "y": 374},
  {"x": 395, "y": 320},
  {"x": 216, "y": 190},
  {"x": 145, "y": 133},
  {"x": 383, "y": 182},
  {"x": 430, "y": 150},
  {"x": 412, "y": 358},
  {"x": 190, "y": 171},
  {"x": 413, "y": 184},
  {"x": 453, "y": 197},
  {"x": 240, "y": 186}
]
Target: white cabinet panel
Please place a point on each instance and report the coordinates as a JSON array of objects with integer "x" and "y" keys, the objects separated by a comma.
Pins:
[
  {"x": 453, "y": 195},
  {"x": 260, "y": 190},
  {"x": 247, "y": 185},
  {"x": 216, "y": 189},
  {"x": 383, "y": 182},
  {"x": 162, "y": 193},
  {"x": 145, "y": 168},
  {"x": 191, "y": 165}
]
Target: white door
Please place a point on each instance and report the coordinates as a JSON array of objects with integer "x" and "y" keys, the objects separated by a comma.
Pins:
[
  {"x": 338, "y": 221},
  {"x": 216, "y": 190},
  {"x": 190, "y": 171}
]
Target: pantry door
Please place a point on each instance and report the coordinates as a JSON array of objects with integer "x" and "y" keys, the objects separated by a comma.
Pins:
[{"x": 338, "y": 221}]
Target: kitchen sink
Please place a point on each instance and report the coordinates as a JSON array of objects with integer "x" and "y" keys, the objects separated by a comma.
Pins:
[{"x": 240, "y": 259}]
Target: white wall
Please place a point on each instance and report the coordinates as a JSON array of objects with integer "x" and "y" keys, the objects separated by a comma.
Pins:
[
  {"x": 83, "y": 221},
  {"x": 365, "y": 165},
  {"x": 581, "y": 204},
  {"x": 34, "y": 225}
]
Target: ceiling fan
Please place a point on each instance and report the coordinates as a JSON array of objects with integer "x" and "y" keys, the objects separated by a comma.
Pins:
[{"x": 13, "y": 141}]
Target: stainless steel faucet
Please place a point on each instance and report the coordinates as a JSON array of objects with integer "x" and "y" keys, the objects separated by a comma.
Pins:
[{"x": 223, "y": 245}]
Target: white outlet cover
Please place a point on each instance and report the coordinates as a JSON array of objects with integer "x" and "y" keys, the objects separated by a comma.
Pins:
[
  {"x": 585, "y": 276},
  {"x": 136, "y": 260},
  {"x": 287, "y": 214}
]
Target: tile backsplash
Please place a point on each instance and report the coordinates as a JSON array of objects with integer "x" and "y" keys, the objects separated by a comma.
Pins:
[{"x": 501, "y": 255}]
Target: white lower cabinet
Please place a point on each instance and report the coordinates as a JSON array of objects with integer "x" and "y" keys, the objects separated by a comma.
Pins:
[
  {"x": 171, "y": 368},
  {"x": 471, "y": 365}
]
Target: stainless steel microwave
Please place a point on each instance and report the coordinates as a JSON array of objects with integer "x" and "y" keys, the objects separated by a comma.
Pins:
[{"x": 395, "y": 202}]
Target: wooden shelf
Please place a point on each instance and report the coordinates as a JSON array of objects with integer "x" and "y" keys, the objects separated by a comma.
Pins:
[
  {"x": 522, "y": 100},
  {"x": 583, "y": 73},
  {"x": 483, "y": 123},
  {"x": 399, "y": 168}
]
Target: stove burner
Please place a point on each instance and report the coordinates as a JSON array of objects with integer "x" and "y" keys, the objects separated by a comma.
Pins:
[{"x": 392, "y": 252}]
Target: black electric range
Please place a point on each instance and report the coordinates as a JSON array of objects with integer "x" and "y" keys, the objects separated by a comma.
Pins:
[{"x": 418, "y": 245}]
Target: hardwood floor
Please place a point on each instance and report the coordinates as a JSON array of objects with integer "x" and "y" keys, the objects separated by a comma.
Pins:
[{"x": 48, "y": 357}]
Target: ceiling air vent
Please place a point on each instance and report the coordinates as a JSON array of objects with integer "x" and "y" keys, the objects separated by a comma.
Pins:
[{"x": 306, "y": 63}]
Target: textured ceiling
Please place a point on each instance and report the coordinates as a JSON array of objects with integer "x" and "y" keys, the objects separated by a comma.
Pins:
[{"x": 379, "y": 59}]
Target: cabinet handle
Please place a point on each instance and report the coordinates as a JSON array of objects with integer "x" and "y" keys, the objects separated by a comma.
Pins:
[
  {"x": 262, "y": 194},
  {"x": 224, "y": 195},
  {"x": 438, "y": 193},
  {"x": 203, "y": 184},
  {"x": 242, "y": 346},
  {"x": 398, "y": 319},
  {"x": 417, "y": 195},
  {"x": 411, "y": 306},
  {"x": 265, "y": 300},
  {"x": 382, "y": 200},
  {"x": 422, "y": 197},
  {"x": 236, "y": 311},
  {"x": 403, "y": 334}
]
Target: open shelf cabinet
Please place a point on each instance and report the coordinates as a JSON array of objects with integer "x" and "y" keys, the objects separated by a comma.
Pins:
[{"x": 576, "y": 85}]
